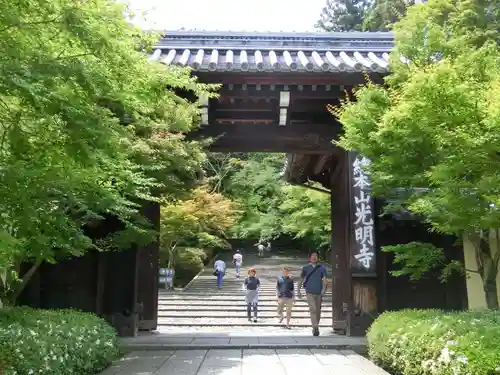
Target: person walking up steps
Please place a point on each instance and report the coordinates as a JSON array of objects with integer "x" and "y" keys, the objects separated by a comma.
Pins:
[
  {"x": 284, "y": 290},
  {"x": 314, "y": 280},
  {"x": 237, "y": 261},
  {"x": 219, "y": 270},
  {"x": 252, "y": 285},
  {"x": 260, "y": 249}
]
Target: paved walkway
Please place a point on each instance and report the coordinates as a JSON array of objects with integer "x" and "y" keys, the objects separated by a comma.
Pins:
[
  {"x": 244, "y": 362},
  {"x": 204, "y": 331}
]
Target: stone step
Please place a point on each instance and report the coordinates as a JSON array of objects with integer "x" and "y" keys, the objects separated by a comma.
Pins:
[
  {"x": 236, "y": 314},
  {"x": 229, "y": 303},
  {"x": 239, "y": 322},
  {"x": 239, "y": 293},
  {"x": 235, "y": 307},
  {"x": 226, "y": 288},
  {"x": 222, "y": 299}
]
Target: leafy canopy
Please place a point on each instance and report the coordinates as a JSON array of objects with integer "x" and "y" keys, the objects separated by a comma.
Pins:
[
  {"x": 88, "y": 126},
  {"x": 361, "y": 15},
  {"x": 202, "y": 220},
  {"x": 436, "y": 124},
  {"x": 271, "y": 207}
]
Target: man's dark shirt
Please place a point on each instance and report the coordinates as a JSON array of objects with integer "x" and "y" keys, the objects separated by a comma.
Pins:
[
  {"x": 314, "y": 283},
  {"x": 284, "y": 286}
]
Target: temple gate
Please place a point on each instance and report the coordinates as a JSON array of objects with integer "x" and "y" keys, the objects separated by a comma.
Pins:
[{"x": 274, "y": 97}]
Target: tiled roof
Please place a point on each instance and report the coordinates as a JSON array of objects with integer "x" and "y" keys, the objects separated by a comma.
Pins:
[{"x": 284, "y": 52}]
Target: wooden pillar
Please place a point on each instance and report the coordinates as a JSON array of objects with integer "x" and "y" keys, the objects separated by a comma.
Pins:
[
  {"x": 363, "y": 260},
  {"x": 148, "y": 263},
  {"x": 340, "y": 243},
  {"x": 120, "y": 291}
]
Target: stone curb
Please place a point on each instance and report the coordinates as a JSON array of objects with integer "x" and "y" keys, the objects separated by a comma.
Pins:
[
  {"x": 229, "y": 326},
  {"x": 198, "y": 274},
  {"x": 361, "y": 349}
]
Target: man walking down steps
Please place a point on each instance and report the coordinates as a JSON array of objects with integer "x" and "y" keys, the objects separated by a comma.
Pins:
[{"x": 314, "y": 280}]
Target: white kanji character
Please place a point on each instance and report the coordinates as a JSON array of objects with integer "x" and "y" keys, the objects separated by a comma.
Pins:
[
  {"x": 363, "y": 215},
  {"x": 361, "y": 181},
  {"x": 358, "y": 164},
  {"x": 365, "y": 256},
  {"x": 364, "y": 235},
  {"x": 363, "y": 198}
]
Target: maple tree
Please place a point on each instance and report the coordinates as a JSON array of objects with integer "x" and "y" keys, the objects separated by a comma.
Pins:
[
  {"x": 432, "y": 132},
  {"x": 83, "y": 123},
  {"x": 202, "y": 220}
]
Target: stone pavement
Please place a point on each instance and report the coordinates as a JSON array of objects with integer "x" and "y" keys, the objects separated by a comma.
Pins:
[
  {"x": 277, "y": 340},
  {"x": 244, "y": 362},
  {"x": 202, "y": 307}
]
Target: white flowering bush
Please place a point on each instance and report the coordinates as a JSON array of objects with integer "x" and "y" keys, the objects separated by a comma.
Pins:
[
  {"x": 432, "y": 342},
  {"x": 54, "y": 342}
]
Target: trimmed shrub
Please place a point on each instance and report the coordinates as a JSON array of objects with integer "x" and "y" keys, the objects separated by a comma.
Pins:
[
  {"x": 432, "y": 342},
  {"x": 54, "y": 342},
  {"x": 189, "y": 262}
]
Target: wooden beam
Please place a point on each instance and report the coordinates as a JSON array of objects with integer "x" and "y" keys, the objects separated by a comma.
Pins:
[
  {"x": 307, "y": 92},
  {"x": 284, "y": 78},
  {"x": 251, "y": 132},
  {"x": 321, "y": 164}
]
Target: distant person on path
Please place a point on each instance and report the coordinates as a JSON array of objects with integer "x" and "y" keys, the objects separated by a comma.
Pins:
[
  {"x": 260, "y": 249},
  {"x": 237, "y": 261},
  {"x": 219, "y": 270},
  {"x": 284, "y": 291},
  {"x": 314, "y": 280},
  {"x": 252, "y": 285}
]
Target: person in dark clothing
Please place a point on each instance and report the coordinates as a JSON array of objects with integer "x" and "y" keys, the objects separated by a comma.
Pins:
[
  {"x": 314, "y": 280},
  {"x": 252, "y": 285},
  {"x": 284, "y": 291}
]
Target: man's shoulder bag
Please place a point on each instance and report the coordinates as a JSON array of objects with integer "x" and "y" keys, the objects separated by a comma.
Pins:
[{"x": 308, "y": 276}]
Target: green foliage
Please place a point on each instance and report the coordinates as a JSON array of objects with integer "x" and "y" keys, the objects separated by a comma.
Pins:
[
  {"x": 188, "y": 262},
  {"x": 415, "y": 259},
  {"x": 361, "y": 15},
  {"x": 382, "y": 14},
  {"x": 201, "y": 220},
  {"x": 270, "y": 206},
  {"x": 257, "y": 187},
  {"x": 306, "y": 214},
  {"x": 221, "y": 167},
  {"x": 88, "y": 127},
  {"x": 342, "y": 15},
  {"x": 55, "y": 342},
  {"x": 436, "y": 123},
  {"x": 428, "y": 342}
]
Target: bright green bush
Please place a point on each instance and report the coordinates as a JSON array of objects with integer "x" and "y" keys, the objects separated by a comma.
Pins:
[
  {"x": 431, "y": 342},
  {"x": 55, "y": 342}
]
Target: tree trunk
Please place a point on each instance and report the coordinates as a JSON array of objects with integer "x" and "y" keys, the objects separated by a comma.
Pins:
[
  {"x": 490, "y": 284},
  {"x": 25, "y": 280},
  {"x": 487, "y": 267},
  {"x": 171, "y": 260}
]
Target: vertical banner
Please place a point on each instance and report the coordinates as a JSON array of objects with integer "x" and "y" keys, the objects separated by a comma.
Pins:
[{"x": 363, "y": 259}]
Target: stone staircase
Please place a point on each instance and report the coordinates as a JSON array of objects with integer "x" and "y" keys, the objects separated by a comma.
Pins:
[{"x": 202, "y": 304}]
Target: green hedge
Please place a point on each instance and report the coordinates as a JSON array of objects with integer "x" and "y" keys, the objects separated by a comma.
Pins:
[
  {"x": 54, "y": 342},
  {"x": 431, "y": 342}
]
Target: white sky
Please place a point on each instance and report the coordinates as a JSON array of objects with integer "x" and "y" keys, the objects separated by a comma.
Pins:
[{"x": 229, "y": 15}]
